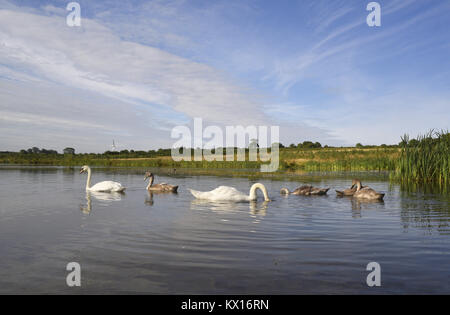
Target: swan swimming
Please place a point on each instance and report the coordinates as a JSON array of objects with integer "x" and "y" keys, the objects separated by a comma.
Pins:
[
  {"x": 107, "y": 186},
  {"x": 306, "y": 190},
  {"x": 366, "y": 193},
  {"x": 349, "y": 191},
  {"x": 226, "y": 193},
  {"x": 163, "y": 187}
]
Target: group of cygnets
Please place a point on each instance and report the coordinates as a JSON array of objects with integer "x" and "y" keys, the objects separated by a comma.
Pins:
[
  {"x": 357, "y": 190},
  {"x": 226, "y": 193}
]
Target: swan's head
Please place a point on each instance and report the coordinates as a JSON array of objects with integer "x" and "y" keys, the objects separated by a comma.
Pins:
[
  {"x": 148, "y": 174},
  {"x": 84, "y": 169},
  {"x": 355, "y": 183}
]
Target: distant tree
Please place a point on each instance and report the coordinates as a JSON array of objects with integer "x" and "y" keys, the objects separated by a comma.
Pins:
[
  {"x": 45, "y": 151},
  {"x": 317, "y": 145},
  {"x": 403, "y": 143},
  {"x": 35, "y": 150},
  {"x": 23, "y": 151},
  {"x": 359, "y": 145},
  {"x": 307, "y": 144},
  {"x": 69, "y": 151},
  {"x": 292, "y": 145}
]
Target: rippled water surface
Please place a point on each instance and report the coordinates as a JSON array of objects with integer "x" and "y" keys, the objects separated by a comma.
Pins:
[{"x": 170, "y": 243}]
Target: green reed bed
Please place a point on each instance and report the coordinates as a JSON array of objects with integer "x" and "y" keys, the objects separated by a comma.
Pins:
[
  {"x": 340, "y": 159},
  {"x": 425, "y": 159}
]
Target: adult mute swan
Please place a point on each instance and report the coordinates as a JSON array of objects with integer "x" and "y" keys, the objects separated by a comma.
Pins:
[
  {"x": 107, "y": 186},
  {"x": 226, "y": 193},
  {"x": 163, "y": 187}
]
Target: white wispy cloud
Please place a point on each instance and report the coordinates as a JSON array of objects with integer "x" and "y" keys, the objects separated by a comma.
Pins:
[
  {"x": 40, "y": 120},
  {"x": 135, "y": 70},
  {"x": 95, "y": 59},
  {"x": 145, "y": 80}
]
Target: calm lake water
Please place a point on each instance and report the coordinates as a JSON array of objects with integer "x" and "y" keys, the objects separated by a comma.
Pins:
[{"x": 172, "y": 244}]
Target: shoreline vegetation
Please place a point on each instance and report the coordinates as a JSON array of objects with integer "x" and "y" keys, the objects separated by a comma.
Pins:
[
  {"x": 291, "y": 159},
  {"x": 425, "y": 159}
]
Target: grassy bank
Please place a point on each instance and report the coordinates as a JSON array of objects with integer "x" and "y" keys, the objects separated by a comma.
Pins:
[
  {"x": 340, "y": 159},
  {"x": 422, "y": 160},
  {"x": 291, "y": 159}
]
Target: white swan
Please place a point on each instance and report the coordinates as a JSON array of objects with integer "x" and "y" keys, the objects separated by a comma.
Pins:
[
  {"x": 106, "y": 186},
  {"x": 225, "y": 193}
]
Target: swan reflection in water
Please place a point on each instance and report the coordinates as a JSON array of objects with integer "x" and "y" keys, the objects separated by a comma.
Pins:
[
  {"x": 149, "y": 201},
  {"x": 227, "y": 207},
  {"x": 259, "y": 209},
  {"x": 364, "y": 204},
  {"x": 100, "y": 196}
]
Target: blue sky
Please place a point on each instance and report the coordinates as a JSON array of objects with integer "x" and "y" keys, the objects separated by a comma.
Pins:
[{"x": 136, "y": 69}]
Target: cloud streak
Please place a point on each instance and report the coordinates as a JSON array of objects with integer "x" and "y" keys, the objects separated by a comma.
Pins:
[{"x": 132, "y": 72}]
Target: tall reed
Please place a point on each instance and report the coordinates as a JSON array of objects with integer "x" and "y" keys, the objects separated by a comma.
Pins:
[{"x": 426, "y": 159}]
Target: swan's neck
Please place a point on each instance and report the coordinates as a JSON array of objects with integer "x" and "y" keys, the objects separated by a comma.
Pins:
[
  {"x": 260, "y": 187},
  {"x": 358, "y": 186},
  {"x": 88, "y": 182},
  {"x": 150, "y": 182}
]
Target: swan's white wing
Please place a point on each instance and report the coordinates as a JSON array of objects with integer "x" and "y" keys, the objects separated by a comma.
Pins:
[
  {"x": 107, "y": 186},
  {"x": 220, "y": 194},
  {"x": 197, "y": 194}
]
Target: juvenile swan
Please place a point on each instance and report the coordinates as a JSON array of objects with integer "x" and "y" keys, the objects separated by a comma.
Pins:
[
  {"x": 305, "y": 191},
  {"x": 349, "y": 191},
  {"x": 107, "y": 186},
  {"x": 366, "y": 193},
  {"x": 163, "y": 187},
  {"x": 226, "y": 193}
]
